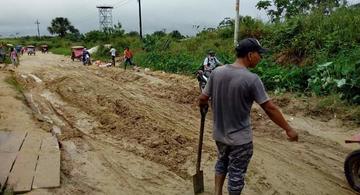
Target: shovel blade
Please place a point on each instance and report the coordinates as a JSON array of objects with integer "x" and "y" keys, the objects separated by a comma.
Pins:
[{"x": 198, "y": 182}]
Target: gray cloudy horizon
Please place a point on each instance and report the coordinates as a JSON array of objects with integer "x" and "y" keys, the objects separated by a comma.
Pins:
[{"x": 18, "y": 18}]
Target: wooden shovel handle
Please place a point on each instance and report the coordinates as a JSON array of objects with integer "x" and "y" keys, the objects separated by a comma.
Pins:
[{"x": 203, "y": 111}]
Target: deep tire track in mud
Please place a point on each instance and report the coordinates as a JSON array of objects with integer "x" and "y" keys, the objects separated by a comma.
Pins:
[
  {"x": 137, "y": 119},
  {"x": 110, "y": 118}
]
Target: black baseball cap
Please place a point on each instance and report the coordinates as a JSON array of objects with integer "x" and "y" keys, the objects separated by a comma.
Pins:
[{"x": 250, "y": 45}]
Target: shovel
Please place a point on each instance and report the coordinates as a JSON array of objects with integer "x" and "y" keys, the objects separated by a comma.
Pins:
[{"x": 198, "y": 178}]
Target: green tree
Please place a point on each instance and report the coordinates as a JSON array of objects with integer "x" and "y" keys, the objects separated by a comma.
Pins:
[
  {"x": 62, "y": 27},
  {"x": 227, "y": 22},
  {"x": 278, "y": 9},
  {"x": 133, "y": 34},
  {"x": 176, "y": 34},
  {"x": 105, "y": 35},
  {"x": 159, "y": 33},
  {"x": 94, "y": 36},
  {"x": 115, "y": 31}
]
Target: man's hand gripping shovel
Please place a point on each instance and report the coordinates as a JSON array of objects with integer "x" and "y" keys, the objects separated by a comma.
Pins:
[{"x": 198, "y": 178}]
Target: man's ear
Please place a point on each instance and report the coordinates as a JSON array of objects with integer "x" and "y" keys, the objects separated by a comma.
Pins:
[{"x": 249, "y": 55}]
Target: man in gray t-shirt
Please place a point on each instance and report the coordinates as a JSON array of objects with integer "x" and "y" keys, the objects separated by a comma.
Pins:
[
  {"x": 232, "y": 104},
  {"x": 233, "y": 89}
]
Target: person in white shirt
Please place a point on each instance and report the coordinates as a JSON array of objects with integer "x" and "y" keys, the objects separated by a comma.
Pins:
[
  {"x": 113, "y": 55},
  {"x": 211, "y": 62}
]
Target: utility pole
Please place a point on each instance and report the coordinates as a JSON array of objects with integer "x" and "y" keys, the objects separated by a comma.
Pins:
[
  {"x": 237, "y": 16},
  {"x": 37, "y": 23},
  {"x": 140, "y": 23}
]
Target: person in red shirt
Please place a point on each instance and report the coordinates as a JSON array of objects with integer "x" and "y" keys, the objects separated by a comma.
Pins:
[{"x": 127, "y": 57}]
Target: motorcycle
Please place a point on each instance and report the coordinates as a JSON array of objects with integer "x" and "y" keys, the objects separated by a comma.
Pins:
[
  {"x": 202, "y": 77},
  {"x": 352, "y": 165},
  {"x": 203, "y": 74}
]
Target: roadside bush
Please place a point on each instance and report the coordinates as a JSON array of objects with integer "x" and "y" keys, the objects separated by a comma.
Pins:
[
  {"x": 170, "y": 62},
  {"x": 330, "y": 77},
  {"x": 316, "y": 34},
  {"x": 280, "y": 79},
  {"x": 250, "y": 27},
  {"x": 61, "y": 51},
  {"x": 226, "y": 33},
  {"x": 102, "y": 54}
]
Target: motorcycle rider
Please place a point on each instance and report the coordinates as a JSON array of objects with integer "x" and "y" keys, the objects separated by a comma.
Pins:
[
  {"x": 211, "y": 62},
  {"x": 86, "y": 57}
]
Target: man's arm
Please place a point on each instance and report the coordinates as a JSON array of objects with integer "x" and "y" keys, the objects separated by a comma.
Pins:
[{"x": 276, "y": 116}]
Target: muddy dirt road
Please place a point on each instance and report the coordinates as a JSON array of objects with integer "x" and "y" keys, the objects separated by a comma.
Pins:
[{"x": 126, "y": 132}]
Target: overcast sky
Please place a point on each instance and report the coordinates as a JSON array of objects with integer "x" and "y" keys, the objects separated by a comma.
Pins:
[{"x": 18, "y": 17}]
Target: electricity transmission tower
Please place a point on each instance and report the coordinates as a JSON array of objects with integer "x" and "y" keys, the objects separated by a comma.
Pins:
[{"x": 105, "y": 17}]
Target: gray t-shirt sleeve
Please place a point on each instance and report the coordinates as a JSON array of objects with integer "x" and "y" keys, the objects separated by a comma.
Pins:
[
  {"x": 208, "y": 87},
  {"x": 259, "y": 91}
]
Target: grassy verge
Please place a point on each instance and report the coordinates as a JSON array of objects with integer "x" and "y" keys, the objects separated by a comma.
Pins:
[
  {"x": 61, "y": 51},
  {"x": 338, "y": 108},
  {"x": 11, "y": 80},
  {"x": 324, "y": 108}
]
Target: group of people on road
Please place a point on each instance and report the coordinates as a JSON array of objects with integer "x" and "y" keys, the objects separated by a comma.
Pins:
[
  {"x": 127, "y": 56},
  {"x": 231, "y": 90},
  {"x": 14, "y": 53}
]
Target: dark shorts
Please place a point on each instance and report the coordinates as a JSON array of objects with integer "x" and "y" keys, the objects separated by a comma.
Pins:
[
  {"x": 234, "y": 160},
  {"x": 128, "y": 61},
  {"x": 113, "y": 60}
]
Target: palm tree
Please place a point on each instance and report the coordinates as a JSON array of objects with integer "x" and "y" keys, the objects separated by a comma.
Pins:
[{"x": 61, "y": 26}]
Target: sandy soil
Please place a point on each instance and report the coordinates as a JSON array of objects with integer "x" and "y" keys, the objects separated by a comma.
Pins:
[{"x": 126, "y": 132}]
